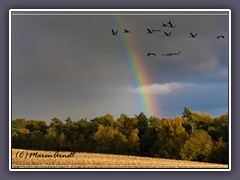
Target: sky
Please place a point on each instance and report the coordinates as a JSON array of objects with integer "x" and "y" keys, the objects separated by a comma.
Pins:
[{"x": 69, "y": 64}]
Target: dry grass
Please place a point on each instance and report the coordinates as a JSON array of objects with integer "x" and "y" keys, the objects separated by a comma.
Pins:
[{"x": 92, "y": 160}]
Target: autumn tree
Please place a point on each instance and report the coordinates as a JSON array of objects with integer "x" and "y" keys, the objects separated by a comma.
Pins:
[
  {"x": 126, "y": 124},
  {"x": 133, "y": 143},
  {"x": 220, "y": 152},
  {"x": 170, "y": 138},
  {"x": 109, "y": 140},
  {"x": 19, "y": 123},
  {"x": 198, "y": 147}
]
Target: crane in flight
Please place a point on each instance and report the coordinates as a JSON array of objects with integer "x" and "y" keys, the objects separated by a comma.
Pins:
[
  {"x": 114, "y": 32},
  {"x": 172, "y": 54},
  {"x": 149, "y": 31},
  {"x": 167, "y": 34},
  {"x": 220, "y": 36},
  {"x": 153, "y": 54},
  {"x": 126, "y": 31},
  {"x": 164, "y": 25},
  {"x": 193, "y": 35},
  {"x": 170, "y": 24}
]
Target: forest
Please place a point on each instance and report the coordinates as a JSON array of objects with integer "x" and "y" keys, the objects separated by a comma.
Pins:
[{"x": 193, "y": 136}]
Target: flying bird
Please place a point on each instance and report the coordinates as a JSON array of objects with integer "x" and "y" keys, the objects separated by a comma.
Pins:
[
  {"x": 167, "y": 34},
  {"x": 126, "y": 31},
  {"x": 170, "y": 24},
  {"x": 220, "y": 36},
  {"x": 193, "y": 35},
  {"x": 164, "y": 25},
  {"x": 149, "y": 31},
  {"x": 177, "y": 53},
  {"x": 114, "y": 32},
  {"x": 153, "y": 54},
  {"x": 158, "y": 30},
  {"x": 171, "y": 54}
]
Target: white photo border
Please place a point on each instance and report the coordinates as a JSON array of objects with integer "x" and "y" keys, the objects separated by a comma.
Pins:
[{"x": 210, "y": 11}]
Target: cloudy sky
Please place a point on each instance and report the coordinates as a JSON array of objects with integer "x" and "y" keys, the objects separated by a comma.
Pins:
[{"x": 72, "y": 66}]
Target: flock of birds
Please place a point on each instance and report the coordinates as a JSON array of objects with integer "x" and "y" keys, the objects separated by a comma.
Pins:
[{"x": 168, "y": 25}]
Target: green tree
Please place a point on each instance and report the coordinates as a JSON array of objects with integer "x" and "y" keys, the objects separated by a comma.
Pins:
[
  {"x": 84, "y": 138},
  {"x": 154, "y": 122},
  {"x": 142, "y": 126},
  {"x": 36, "y": 125},
  {"x": 220, "y": 152},
  {"x": 19, "y": 137},
  {"x": 189, "y": 121},
  {"x": 70, "y": 134},
  {"x": 120, "y": 144},
  {"x": 57, "y": 124},
  {"x": 187, "y": 114},
  {"x": 51, "y": 142}
]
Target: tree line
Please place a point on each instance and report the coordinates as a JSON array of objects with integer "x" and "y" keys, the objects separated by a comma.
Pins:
[{"x": 192, "y": 136}]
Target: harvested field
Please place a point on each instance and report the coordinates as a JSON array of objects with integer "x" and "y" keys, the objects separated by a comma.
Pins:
[{"x": 50, "y": 159}]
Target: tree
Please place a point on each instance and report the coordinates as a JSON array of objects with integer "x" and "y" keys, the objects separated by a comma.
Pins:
[
  {"x": 57, "y": 125},
  {"x": 147, "y": 141},
  {"x": 106, "y": 120},
  {"x": 51, "y": 142},
  {"x": 69, "y": 134},
  {"x": 187, "y": 114},
  {"x": 154, "y": 122},
  {"x": 109, "y": 140},
  {"x": 188, "y": 123},
  {"x": 220, "y": 152},
  {"x": 170, "y": 138},
  {"x": 84, "y": 139},
  {"x": 19, "y": 123},
  {"x": 103, "y": 139},
  {"x": 19, "y": 137},
  {"x": 142, "y": 124},
  {"x": 198, "y": 147},
  {"x": 120, "y": 144},
  {"x": 126, "y": 124},
  {"x": 133, "y": 141},
  {"x": 35, "y": 125}
]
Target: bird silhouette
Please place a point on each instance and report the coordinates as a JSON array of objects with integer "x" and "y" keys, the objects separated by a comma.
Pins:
[
  {"x": 220, "y": 36},
  {"x": 114, "y": 33},
  {"x": 193, "y": 35},
  {"x": 168, "y": 54},
  {"x": 164, "y": 25},
  {"x": 167, "y": 34},
  {"x": 153, "y": 54},
  {"x": 171, "y": 54},
  {"x": 126, "y": 31},
  {"x": 177, "y": 53},
  {"x": 149, "y": 31},
  {"x": 170, "y": 24}
]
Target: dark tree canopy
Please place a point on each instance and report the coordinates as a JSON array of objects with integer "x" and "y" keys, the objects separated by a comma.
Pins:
[{"x": 194, "y": 136}]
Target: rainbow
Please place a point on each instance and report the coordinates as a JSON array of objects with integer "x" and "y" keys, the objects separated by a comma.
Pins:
[{"x": 136, "y": 64}]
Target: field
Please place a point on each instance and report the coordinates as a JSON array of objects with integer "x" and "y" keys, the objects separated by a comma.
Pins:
[{"x": 49, "y": 159}]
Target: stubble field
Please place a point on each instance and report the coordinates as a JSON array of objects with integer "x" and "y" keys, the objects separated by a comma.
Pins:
[{"x": 50, "y": 159}]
